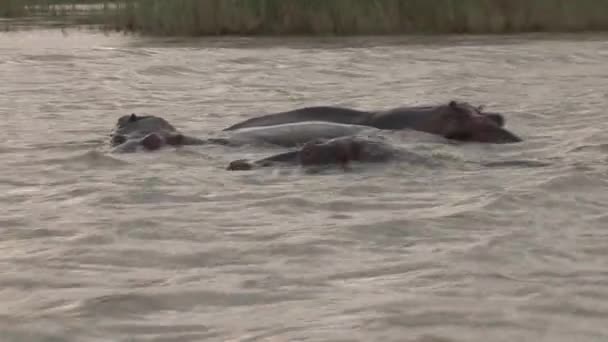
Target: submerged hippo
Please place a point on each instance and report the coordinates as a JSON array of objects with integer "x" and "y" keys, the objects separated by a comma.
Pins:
[
  {"x": 148, "y": 132},
  {"x": 338, "y": 151},
  {"x": 151, "y": 133},
  {"x": 455, "y": 120}
]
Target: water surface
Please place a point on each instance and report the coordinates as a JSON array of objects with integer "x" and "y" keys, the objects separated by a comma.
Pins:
[{"x": 169, "y": 246}]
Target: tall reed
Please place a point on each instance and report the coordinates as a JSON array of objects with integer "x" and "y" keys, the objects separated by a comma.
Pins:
[
  {"x": 28, "y": 8},
  {"x": 347, "y": 17}
]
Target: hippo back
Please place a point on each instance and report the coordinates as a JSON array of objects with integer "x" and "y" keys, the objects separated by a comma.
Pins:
[
  {"x": 294, "y": 134},
  {"x": 403, "y": 117},
  {"x": 321, "y": 113}
]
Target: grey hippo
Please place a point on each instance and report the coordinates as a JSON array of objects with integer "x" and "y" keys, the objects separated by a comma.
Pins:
[
  {"x": 337, "y": 151},
  {"x": 342, "y": 151},
  {"x": 148, "y": 132},
  {"x": 458, "y": 121},
  {"x": 133, "y": 132}
]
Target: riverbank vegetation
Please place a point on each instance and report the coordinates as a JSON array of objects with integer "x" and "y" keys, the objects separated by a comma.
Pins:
[{"x": 322, "y": 17}]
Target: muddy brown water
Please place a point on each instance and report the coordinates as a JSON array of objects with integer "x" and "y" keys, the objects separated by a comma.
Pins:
[{"x": 168, "y": 246}]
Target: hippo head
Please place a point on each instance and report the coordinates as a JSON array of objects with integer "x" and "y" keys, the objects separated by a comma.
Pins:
[
  {"x": 142, "y": 125},
  {"x": 336, "y": 151},
  {"x": 461, "y": 121}
]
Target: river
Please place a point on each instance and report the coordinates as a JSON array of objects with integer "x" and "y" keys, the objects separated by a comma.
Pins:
[{"x": 504, "y": 243}]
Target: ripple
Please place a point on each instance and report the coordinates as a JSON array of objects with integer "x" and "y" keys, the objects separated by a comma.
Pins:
[
  {"x": 130, "y": 304},
  {"x": 49, "y": 58},
  {"x": 167, "y": 70},
  {"x": 85, "y": 160}
]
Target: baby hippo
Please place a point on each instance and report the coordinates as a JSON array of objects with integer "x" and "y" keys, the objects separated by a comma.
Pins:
[
  {"x": 344, "y": 150},
  {"x": 149, "y": 132},
  {"x": 338, "y": 151}
]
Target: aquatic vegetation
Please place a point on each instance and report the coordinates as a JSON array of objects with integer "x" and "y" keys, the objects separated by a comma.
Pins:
[
  {"x": 11, "y": 8},
  {"x": 335, "y": 17}
]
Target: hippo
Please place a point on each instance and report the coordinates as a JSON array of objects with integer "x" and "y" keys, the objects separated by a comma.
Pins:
[
  {"x": 337, "y": 151},
  {"x": 457, "y": 121},
  {"x": 151, "y": 133},
  {"x": 296, "y": 134}
]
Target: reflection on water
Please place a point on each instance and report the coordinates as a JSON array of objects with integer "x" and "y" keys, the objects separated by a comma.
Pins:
[{"x": 501, "y": 243}]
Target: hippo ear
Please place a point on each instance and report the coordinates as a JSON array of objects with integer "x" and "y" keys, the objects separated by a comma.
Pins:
[
  {"x": 480, "y": 108},
  {"x": 133, "y": 118},
  {"x": 453, "y": 104}
]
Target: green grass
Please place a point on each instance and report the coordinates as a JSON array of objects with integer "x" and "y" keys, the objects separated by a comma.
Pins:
[
  {"x": 332, "y": 17},
  {"x": 21, "y": 8}
]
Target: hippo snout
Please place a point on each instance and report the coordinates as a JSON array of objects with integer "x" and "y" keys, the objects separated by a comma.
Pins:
[
  {"x": 506, "y": 137},
  {"x": 497, "y": 118},
  {"x": 496, "y": 135}
]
